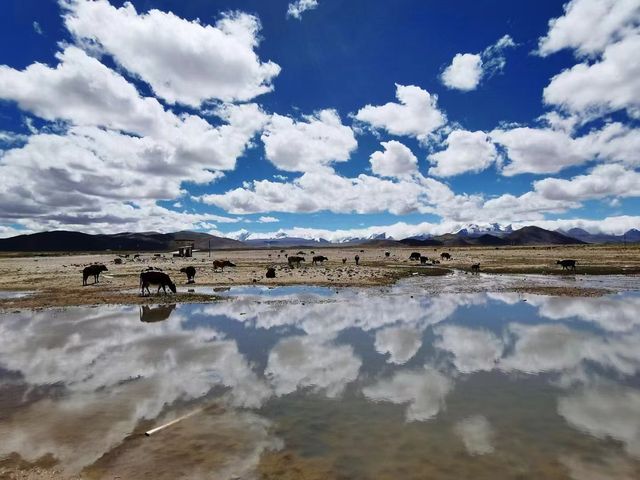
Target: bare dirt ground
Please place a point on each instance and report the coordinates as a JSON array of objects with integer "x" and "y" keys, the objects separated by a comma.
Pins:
[{"x": 56, "y": 279}]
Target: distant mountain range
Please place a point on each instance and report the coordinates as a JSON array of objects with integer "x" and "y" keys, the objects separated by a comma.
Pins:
[
  {"x": 64, "y": 241},
  {"x": 630, "y": 236},
  {"x": 470, "y": 235},
  {"x": 524, "y": 236}
]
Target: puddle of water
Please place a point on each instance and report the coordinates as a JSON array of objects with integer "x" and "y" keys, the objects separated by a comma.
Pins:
[
  {"x": 284, "y": 293},
  {"x": 9, "y": 294},
  {"x": 382, "y": 383}
]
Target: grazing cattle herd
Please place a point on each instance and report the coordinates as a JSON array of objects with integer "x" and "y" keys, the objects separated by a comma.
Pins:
[{"x": 153, "y": 276}]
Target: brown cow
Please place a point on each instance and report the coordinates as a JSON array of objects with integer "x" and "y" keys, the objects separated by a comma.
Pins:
[
  {"x": 220, "y": 264},
  {"x": 475, "y": 268}
]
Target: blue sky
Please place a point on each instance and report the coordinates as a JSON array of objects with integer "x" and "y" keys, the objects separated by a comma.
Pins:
[{"x": 342, "y": 118}]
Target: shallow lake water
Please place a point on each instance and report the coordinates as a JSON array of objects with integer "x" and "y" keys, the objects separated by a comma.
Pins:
[{"x": 319, "y": 383}]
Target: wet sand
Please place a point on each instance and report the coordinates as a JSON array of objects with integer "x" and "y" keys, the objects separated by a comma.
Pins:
[{"x": 56, "y": 279}]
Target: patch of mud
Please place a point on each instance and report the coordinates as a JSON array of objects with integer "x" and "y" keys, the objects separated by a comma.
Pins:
[{"x": 212, "y": 445}]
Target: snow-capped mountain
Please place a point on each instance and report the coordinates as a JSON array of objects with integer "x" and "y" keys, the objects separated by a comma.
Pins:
[
  {"x": 374, "y": 236},
  {"x": 277, "y": 239},
  {"x": 424, "y": 236},
  {"x": 475, "y": 230}
]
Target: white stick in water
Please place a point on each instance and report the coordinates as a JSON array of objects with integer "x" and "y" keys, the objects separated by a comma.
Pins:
[{"x": 172, "y": 422}]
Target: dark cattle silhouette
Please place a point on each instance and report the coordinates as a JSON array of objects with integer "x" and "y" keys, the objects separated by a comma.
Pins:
[
  {"x": 271, "y": 272},
  {"x": 319, "y": 259},
  {"x": 357, "y": 259},
  {"x": 220, "y": 264},
  {"x": 312, "y": 252},
  {"x": 387, "y": 254},
  {"x": 344, "y": 260},
  {"x": 445, "y": 256},
  {"x": 435, "y": 262},
  {"x": 300, "y": 253},
  {"x": 475, "y": 268},
  {"x": 156, "y": 278},
  {"x": 93, "y": 270},
  {"x": 415, "y": 256},
  {"x": 158, "y": 313},
  {"x": 423, "y": 259},
  {"x": 190, "y": 272},
  {"x": 567, "y": 264},
  {"x": 295, "y": 261}
]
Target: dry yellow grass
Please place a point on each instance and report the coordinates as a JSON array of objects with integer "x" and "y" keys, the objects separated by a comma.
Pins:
[{"x": 57, "y": 279}]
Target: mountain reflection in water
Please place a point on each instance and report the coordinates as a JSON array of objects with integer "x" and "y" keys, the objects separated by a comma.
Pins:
[{"x": 360, "y": 384}]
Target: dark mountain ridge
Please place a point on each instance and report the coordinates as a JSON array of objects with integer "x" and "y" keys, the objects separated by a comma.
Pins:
[
  {"x": 66, "y": 241},
  {"x": 630, "y": 236},
  {"x": 524, "y": 236}
]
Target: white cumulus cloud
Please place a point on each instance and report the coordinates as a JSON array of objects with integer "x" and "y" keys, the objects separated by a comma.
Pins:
[
  {"x": 397, "y": 160},
  {"x": 297, "y": 8},
  {"x": 466, "y": 152},
  {"x": 464, "y": 73},
  {"x": 183, "y": 61},
  {"x": 309, "y": 144},
  {"x": 415, "y": 115},
  {"x": 467, "y": 70},
  {"x": 589, "y": 26}
]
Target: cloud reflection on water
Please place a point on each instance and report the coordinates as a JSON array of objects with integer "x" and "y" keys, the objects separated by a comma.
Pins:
[{"x": 115, "y": 370}]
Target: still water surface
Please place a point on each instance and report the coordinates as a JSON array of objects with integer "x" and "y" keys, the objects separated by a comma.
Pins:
[{"x": 324, "y": 383}]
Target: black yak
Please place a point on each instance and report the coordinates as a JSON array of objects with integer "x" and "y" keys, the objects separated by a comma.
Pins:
[
  {"x": 319, "y": 259},
  {"x": 190, "y": 272},
  {"x": 567, "y": 264},
  {"x": 295, "y": 261},
  {"x": 156, "y": 278},
  {"x": 93, "y": 270}
]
